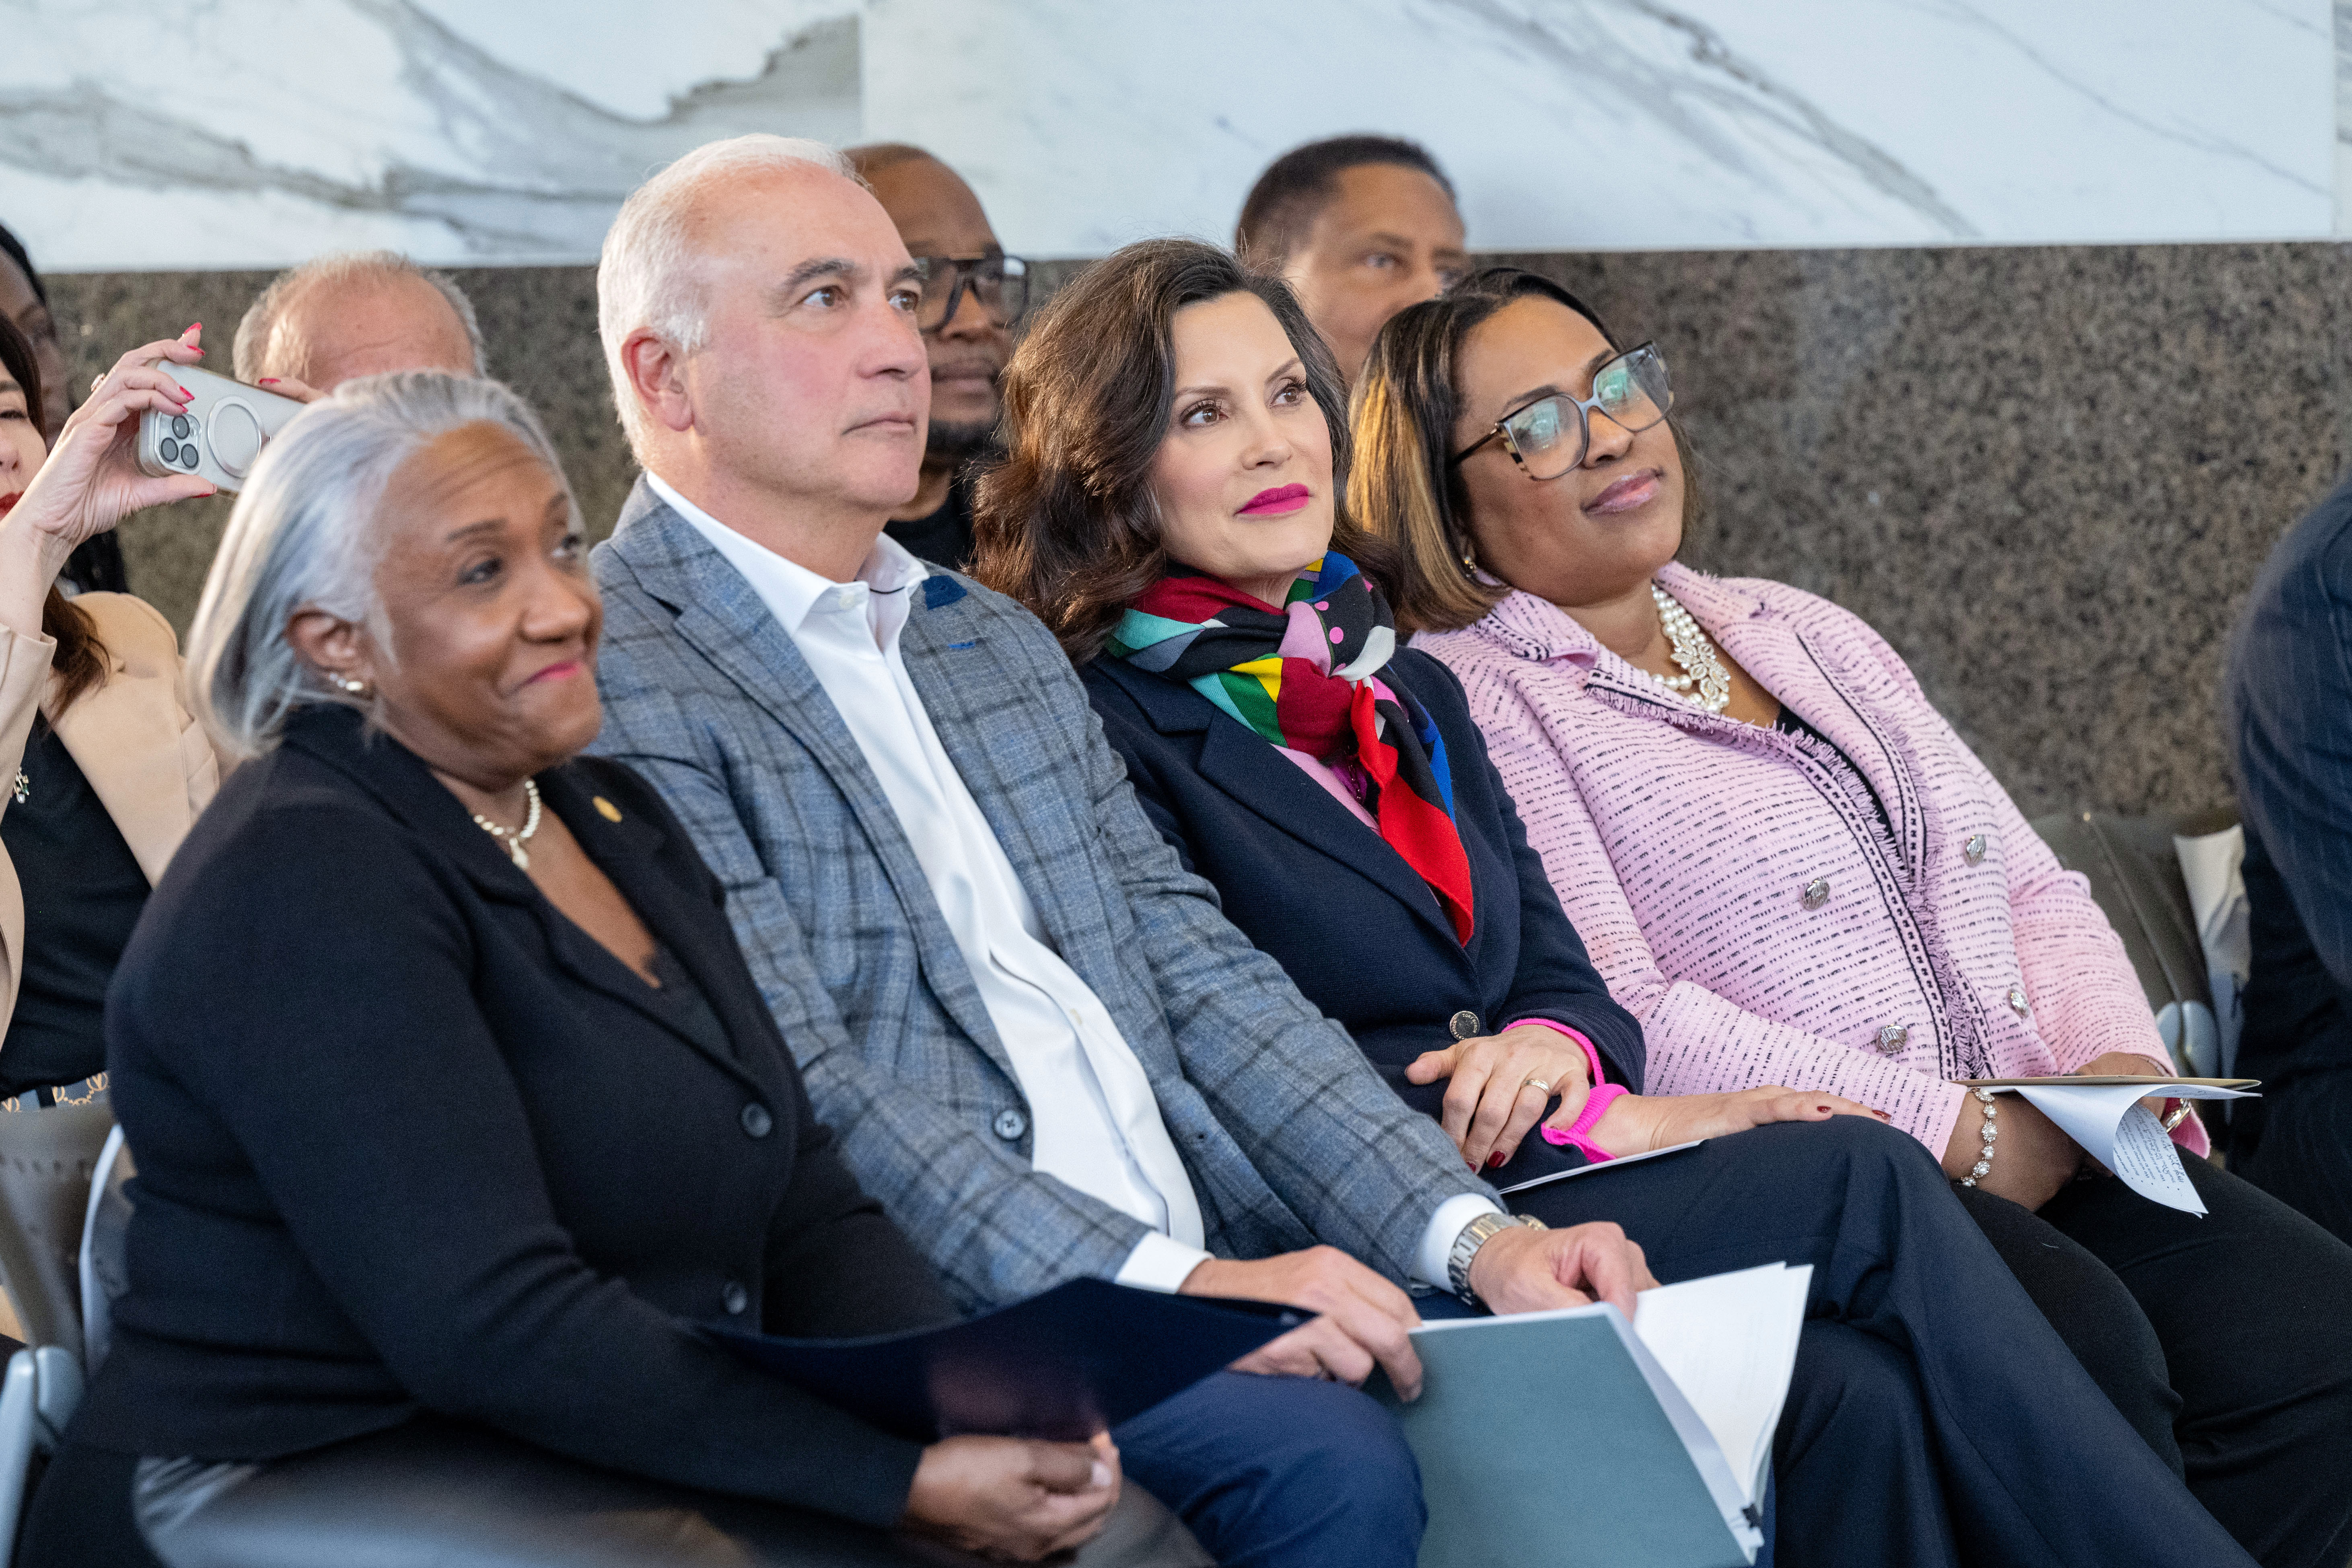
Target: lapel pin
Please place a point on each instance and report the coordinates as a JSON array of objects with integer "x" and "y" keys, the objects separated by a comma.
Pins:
[{"x": 607, "y": 810}]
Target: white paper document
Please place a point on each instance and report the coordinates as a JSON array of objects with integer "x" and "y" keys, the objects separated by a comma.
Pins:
[
  {"x": 2114, "y": 1129},
  {"x": 1729, "y": 1344}
]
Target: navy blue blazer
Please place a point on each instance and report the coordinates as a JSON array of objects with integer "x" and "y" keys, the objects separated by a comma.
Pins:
[
  {"x": 1360, "y": 933},
  {"x": 2283, "y": 703}
]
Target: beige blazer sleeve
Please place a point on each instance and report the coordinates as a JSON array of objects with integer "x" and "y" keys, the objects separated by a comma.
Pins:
[
  {"x": 147, "y": 759},
  {"x": 24, "y": 681}
]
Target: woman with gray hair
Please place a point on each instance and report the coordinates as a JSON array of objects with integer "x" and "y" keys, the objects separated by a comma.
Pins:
[{"x": 455, "y": 1104}]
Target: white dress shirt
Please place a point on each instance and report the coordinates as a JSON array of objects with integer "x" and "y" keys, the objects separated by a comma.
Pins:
[{"x": 1095, "y": 1122}]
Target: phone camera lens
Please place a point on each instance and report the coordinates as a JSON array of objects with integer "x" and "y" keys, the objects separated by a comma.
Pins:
[
  {"x": 188, "y": 456},
  {"x": 171, "y": 451},
  {"x": 180, "y": 425}
]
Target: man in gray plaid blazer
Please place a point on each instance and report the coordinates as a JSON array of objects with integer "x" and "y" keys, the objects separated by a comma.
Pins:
[{"x": 1041, "y": 1044}]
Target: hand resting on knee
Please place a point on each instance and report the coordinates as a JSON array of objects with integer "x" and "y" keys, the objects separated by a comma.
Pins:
[{"x": 1006, "y": 1497}]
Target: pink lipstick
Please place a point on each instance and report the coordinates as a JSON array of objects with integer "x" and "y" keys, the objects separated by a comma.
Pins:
[
  {"x": 1632, "y": 490},
  {"x": 1278, "y": 501}
]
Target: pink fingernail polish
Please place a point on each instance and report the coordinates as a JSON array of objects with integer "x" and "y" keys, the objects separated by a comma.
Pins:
[{"x": 267, "y": 381}]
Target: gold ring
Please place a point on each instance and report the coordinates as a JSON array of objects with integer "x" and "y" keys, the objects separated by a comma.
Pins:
[
  {"x": 96, "y": 382},
  {"x": 1538, "y": 1083},
  {"x": 2178, "y": 1117}
]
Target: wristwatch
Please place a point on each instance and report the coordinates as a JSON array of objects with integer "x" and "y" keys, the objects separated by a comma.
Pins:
[{"x": 1473, "y": 1236}]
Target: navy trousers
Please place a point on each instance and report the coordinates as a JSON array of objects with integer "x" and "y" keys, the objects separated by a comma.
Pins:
[
  {"x": 1281, "y": 1472},
  {"x": 1937, "y": 1417}
]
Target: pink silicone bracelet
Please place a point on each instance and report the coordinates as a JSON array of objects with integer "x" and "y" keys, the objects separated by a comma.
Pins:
[{"x": 1596, "y": 1104}]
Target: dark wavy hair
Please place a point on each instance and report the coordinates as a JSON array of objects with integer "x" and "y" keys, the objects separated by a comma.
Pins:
[
  {"x": 78, "y": 665},
  {"x": 1407, "y": 400},
  {"x": 1066, "y": 523}
]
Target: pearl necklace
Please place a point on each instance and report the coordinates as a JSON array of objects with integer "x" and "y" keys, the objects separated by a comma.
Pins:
[
  {"x": 511, "y": 839},
  {"x": 1690, "y": 650}
]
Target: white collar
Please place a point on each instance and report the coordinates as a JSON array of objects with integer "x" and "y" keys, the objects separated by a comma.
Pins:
[{"x": 791, "y": 590}]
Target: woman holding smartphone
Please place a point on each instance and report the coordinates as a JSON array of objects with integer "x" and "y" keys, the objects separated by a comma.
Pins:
[{"x": 102, "y": 770}]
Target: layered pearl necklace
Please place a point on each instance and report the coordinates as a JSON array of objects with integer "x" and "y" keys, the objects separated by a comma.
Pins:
[{"x": 1690, "y": 650}]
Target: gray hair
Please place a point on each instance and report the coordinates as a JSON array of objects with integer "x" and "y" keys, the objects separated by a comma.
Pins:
[
  {"x": 307, "y": 534},
  {"x": 250, "y": 357},
  {"x": 649, "y": 274}
]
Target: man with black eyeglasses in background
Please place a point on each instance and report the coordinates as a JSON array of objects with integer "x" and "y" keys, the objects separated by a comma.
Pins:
[{"x": 973, "y": 295}]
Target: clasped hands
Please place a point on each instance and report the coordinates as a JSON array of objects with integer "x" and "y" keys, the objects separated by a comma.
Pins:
[{"x": 1490, "y": 1105}]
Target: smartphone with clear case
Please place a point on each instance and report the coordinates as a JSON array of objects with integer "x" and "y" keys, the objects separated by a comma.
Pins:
[{"x": 220, "y": 436}]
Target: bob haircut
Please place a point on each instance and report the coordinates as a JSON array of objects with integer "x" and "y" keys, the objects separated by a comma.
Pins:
[
  {"x": 1407, "y": 489},
  {"x": 1066, "y": 523},
  {"x": 308, "y": 533}
]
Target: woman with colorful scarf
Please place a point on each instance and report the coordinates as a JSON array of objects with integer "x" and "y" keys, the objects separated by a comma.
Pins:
[{"x": 1170, "y": 505}]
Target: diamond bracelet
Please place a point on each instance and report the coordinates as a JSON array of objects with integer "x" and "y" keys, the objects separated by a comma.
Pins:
[{"x": 1991, "y": 1130}]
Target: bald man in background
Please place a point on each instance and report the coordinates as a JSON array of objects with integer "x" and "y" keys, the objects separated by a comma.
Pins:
[
  {"x": 355, "y": 313},
  {"x": 1359, "y": 226},
  {"x": 973, "y": 296}
]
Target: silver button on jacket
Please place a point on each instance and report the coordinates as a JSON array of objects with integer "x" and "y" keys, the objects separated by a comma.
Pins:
[
  {"x": 1973, "y": 851},
  {"x": 1816, "y": 893},
  {"x": 1009, "y": 1125},
  {"x": 1893, "y": 1038},
  {"x": 2018, "y": 1001},
  {"x": 1464, "y": 1024}
]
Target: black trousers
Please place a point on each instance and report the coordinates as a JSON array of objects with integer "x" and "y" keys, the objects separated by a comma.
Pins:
[
  {"x": 2304, "y": 1155},
  {"x": 2226, "y": 1341},
  {"x": 1941, "y": 1419}
]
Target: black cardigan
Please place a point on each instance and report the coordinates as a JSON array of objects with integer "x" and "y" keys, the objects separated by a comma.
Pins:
[
  {"x": 1361, "y": 934},
  {"x": 410, "y": 1140}
]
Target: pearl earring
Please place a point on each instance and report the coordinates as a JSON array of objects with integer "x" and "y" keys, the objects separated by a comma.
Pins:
[{"x": 349, "y": 685}]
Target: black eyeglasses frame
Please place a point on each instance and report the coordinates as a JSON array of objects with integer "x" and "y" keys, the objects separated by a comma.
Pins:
[
  {"x": 967, "y": 275},
  {"x": 1585, "y": 408}
]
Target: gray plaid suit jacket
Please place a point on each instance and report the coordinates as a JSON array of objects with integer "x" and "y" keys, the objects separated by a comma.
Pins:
[{"x": 1290, "y": 1136}]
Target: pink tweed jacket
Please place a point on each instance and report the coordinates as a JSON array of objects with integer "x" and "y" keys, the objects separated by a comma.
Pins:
[{"x": 1743, "y": 899}]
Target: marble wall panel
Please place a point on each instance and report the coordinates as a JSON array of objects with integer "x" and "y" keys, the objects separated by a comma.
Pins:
[
  {"x": 258, "y": 132},
  {"x": 253, "y": 133},
  {"x": 1579, "y": 124},
  {"x": 2047, "y": 475}
]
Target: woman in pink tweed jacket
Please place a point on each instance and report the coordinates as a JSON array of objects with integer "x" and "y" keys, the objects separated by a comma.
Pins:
[{"x": 1791, "y": 869}]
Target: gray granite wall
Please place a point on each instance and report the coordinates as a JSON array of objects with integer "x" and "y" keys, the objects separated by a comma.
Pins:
[{"x": 2047, "y": 475}]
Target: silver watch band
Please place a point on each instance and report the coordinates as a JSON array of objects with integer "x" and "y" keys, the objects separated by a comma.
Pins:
[{"x": 1469, "y": 1239}]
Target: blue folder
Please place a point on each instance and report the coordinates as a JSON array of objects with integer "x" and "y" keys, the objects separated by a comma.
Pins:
[{"x": 1061, "y": 1366}]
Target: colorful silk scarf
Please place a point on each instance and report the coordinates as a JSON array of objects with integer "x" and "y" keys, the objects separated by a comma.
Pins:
[{"x": 1304, "y": 677}]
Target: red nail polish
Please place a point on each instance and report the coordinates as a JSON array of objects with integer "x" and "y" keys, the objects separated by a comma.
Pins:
[
  {"x": 186, "y": 393},
  {"x": 267, "y": 381},
  {"x": 194, "y": 327},
  {"x": 1493, "y": 1158}
]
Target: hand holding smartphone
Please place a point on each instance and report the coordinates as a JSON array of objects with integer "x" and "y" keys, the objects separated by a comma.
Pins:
[{"x": 220, "y": 435}]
